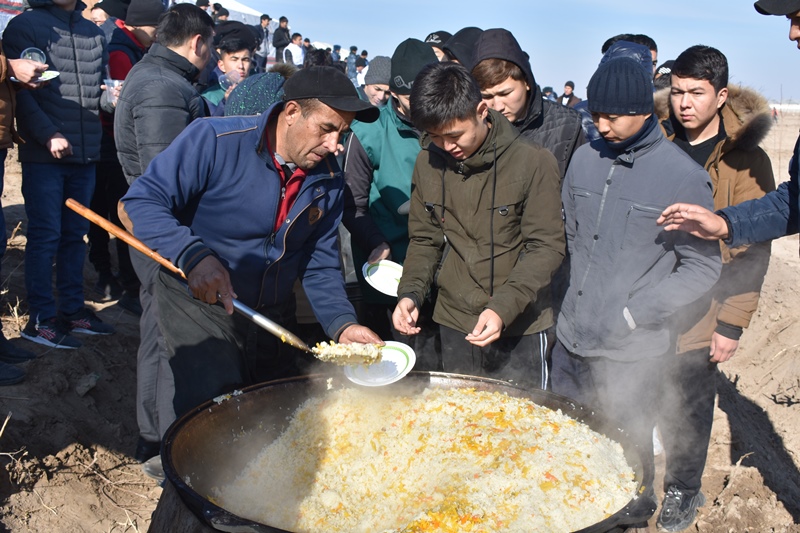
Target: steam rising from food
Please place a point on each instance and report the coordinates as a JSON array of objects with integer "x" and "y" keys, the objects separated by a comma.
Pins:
[{"x": 444, "y": 460}]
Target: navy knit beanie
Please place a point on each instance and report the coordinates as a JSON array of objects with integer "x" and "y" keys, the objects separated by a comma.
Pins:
[{"x": 620, "y": 87}]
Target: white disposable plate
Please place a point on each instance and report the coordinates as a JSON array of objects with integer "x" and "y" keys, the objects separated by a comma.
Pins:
[
  {"x": 397, "y": 360},
  {"x": 47, "y": 75},
  {"x": 384, "y": 276}
]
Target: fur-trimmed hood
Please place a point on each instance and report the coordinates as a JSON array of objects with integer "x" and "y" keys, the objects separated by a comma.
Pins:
[{"x": 746, "y": 116}]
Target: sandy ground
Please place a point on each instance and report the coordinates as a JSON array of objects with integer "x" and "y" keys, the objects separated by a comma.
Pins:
[{"x": 69, "y": 437}]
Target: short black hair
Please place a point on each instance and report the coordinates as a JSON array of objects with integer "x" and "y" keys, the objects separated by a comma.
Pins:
[
  {"x": 443, "y": 93},
  {"x": 181, "y": 22},
  {"x": 295, "y": 35},
  {"x": 265, "y": 17},
  {"x": 701, "y": 62},
  {"x": 637, "y": 38},
  {"x": 222, "y": 12},
  {"x": 283, "y": 19},
  {"x": 232, "y": 45},
  {"x": 318, "y": 58}
]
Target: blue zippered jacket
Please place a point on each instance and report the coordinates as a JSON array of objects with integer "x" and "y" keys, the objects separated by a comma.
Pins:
[
  {"x": 215, "y": 190},
  {"x": 770, "y": 217}
]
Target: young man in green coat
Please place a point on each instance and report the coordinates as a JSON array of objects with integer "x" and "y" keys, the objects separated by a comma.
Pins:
[{"x": 485, "y": 228}]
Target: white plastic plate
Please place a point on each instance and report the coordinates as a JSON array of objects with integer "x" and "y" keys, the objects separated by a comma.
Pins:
[
  {"x": 47, "y": 75},
  {"x": 384, "y": 276},
  {"x": 397, "y": 360}
]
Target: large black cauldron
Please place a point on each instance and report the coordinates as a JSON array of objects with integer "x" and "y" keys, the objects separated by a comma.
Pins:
[{"x": 211, "y": 445}]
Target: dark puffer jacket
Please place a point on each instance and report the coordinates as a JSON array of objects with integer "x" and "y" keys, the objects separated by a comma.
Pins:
[
  {"x": 70, "y": 103},
  {"x": 546, "y": 123},
  {"x": 157, "y": 102}
]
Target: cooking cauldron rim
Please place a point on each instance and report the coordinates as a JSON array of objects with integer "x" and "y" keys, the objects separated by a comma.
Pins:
[{"x": 637, "y": 510}]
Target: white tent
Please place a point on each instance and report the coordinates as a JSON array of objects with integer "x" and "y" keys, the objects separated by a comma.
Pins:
[{"x": 238, "y": 11}]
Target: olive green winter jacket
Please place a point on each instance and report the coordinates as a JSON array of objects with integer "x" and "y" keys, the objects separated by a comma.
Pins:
[{"x": 487, "y": 231}]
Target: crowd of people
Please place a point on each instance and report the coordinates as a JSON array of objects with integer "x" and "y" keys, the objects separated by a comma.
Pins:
[{"x": 537, "y": 231}]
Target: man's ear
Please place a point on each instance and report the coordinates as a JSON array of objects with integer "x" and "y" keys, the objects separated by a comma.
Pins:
[
  {"x": 196, "y": 42},
  {"x": 291, "y": 111},
  {"x": 722, "y": 97},
  {"x": 483, "y": 109},
  {"x": 221, "y": 65}
]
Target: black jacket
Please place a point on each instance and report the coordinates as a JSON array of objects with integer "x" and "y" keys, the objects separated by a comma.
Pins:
[
  {"x": 157, "y": 102},
  {"x": 548, "y": 124},
  {"x": 281, "y": 38}
]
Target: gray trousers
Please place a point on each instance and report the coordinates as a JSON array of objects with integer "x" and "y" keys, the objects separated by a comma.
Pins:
[{"x": 155, "y": 386}]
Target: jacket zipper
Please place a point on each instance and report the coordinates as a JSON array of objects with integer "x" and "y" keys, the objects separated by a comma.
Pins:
[
  {"x": 272, "y": 237},
  {"x": 597, "y": 223}
]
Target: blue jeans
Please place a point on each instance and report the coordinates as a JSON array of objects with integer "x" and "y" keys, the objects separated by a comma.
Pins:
[{"x": 55, "y": 232}]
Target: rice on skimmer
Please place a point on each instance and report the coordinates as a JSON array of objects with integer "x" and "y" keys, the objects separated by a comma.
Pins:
[{"x": 445, "y": 460}]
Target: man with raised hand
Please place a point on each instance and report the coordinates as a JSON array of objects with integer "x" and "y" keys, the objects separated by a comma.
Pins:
[{"x": 776, "y": 214}]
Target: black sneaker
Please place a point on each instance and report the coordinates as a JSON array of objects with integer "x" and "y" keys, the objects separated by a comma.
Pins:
[
  {"x": 85, "y": 321},
  {"x": 678, "y": 510},
  {"x": 107, "y": 287},
  {"x": 51, "y": 333},
  {"x": 10, "y": 353}
]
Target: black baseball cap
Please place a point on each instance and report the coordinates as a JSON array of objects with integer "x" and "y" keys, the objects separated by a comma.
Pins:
[
  {"x": 777, "y": 7},
  {"x": 330, "y": 86}
]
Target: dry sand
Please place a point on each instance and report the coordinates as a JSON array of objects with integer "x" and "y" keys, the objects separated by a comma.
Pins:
[{"x": 68, "y": 443}]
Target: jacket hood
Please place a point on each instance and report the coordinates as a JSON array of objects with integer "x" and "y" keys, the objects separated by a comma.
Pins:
[
  {"x": 462, "y": 45},
  {"x": 638, "y": 52},
  {"x": 498, "y": 43},
  {"x": 501, "y": 135},
  {"x": 746, "y": 117}
]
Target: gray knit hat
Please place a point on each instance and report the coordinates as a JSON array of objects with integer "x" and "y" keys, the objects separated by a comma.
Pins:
[
  {"x": 379, "y": 71},
  {"x": 620, "y": 87}
]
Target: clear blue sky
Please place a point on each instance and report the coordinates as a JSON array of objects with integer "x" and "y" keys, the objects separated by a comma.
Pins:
[{"x": 563, "y": 39}]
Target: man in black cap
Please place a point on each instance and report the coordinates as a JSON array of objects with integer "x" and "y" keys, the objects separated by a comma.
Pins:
[
  {"x": 245, "y": 206},
  {"x": 627, "y": 276},
  {"x": 262, "y": 31},
  {"x": 776, "y": 212}
]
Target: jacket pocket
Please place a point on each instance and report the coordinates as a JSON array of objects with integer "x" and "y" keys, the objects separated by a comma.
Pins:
[{"x": 640, "y": 226}]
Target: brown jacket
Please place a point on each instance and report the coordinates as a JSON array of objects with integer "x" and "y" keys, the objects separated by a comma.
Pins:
[
  {"x": 8, "y": 134},
  {"x": 740, "y": 170}
]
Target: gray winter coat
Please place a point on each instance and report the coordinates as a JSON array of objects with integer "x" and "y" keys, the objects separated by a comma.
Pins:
[
  {"x": 157, "y": 102},
  {"x": 69, "y": 104},
  {"x": 621, "y": 258}
]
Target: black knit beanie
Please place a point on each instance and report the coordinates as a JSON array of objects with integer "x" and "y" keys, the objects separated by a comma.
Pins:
[
  {"x": 144, "y": 13},
  {"x": 620, "y": 87}
]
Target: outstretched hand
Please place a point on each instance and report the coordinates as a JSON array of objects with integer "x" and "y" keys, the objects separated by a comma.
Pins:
[
  {"x": 405, "y": 316},
  {"x": 695, "y": 220}
]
